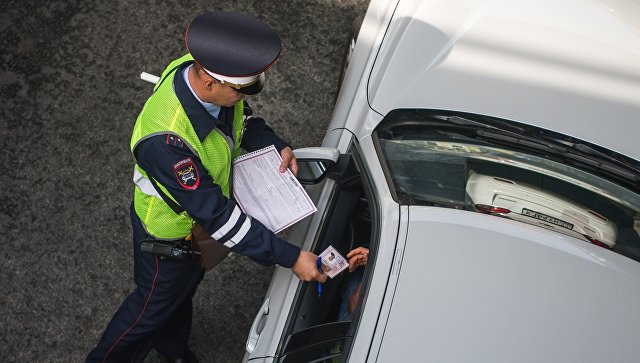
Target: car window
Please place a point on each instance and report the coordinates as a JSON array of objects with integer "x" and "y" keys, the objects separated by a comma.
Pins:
[{"x": 514, "y": 171}]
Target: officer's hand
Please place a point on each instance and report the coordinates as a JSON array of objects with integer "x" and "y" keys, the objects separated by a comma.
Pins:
[
  {"x": 288, "y": 161},
  {"x": 306, "y": 267}
]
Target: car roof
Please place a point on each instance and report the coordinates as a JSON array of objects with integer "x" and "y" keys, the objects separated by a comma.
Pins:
[
  {"x": 570, "y": 66},
  {"x": 501, "y": 291}
]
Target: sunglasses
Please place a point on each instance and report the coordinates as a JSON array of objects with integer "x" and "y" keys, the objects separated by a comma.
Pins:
[{"x": 248, "y": 89}]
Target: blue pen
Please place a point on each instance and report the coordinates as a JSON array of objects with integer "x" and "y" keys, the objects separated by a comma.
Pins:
[{"x": 319, "y": 264}]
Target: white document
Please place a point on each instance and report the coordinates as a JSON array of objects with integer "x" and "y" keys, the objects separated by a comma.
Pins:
[{"x": 276, "y": 199}]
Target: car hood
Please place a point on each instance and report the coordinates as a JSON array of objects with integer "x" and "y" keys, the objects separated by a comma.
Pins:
[
  {"x": 571, "y": 67},
  {"x": 478, "y": 288}
]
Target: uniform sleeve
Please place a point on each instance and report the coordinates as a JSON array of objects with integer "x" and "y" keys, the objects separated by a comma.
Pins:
[
  {"x": 166, "y": 158},
  {"x": 258, "y": 134}
]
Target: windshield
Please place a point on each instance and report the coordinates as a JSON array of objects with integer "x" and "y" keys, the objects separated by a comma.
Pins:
[{"x": 512, "y": 171}]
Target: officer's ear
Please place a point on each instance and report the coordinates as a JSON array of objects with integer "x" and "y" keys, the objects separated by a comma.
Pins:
[
  {"x": 207, "y": 81},
  {"x": 210, "y": 83}
]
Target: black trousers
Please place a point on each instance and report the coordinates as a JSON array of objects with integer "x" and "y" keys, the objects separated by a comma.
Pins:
[{"x": 157, "y": 314}]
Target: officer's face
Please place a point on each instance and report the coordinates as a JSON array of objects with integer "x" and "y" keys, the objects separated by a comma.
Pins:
[
  {"x": 225, "y": 95},
  {"x": 218, "y": 93}
]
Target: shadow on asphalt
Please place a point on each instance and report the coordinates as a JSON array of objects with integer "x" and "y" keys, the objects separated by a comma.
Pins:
[{"x": 69, "y": 77}]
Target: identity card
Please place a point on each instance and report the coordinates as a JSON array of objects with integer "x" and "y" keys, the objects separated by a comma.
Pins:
[{"x": 333, "y": 262}]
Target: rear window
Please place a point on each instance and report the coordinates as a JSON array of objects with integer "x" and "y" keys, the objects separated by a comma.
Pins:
[{"x": 514, "y": 171}]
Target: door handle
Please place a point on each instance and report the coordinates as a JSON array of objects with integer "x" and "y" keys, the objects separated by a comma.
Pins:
[{"x": 257, "y": 326}]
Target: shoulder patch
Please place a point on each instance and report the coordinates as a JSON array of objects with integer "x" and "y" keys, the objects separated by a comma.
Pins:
[
  {"x": 173, "y": 140},
  {"x": 186, "y": 173}
]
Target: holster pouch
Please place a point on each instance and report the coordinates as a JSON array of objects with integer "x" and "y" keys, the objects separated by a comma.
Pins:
[
  {"x": 205, "y": 250},
  {"x": 172, "y": 250}
]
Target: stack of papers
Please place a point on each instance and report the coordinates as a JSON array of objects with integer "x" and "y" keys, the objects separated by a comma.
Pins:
[{"x": 275, "y": 199}]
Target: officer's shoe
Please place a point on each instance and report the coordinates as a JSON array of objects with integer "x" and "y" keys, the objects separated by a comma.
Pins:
[{"x": 188, "y": 357}]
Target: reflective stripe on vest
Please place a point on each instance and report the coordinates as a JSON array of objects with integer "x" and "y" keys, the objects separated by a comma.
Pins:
[{"x": 144, "y": 184}]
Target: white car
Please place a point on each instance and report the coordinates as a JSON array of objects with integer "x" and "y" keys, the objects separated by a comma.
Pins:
[
  {"x": 535, "y": 205},
  {"x": 540, "y": 93}
]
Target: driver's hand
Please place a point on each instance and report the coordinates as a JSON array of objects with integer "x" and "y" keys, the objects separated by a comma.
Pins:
[
  {"x": 357, "y": 257},
  {"x": 306, "y": 268}
]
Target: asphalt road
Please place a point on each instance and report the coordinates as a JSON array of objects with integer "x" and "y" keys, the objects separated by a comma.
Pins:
[{"x": 69, "y": 80}]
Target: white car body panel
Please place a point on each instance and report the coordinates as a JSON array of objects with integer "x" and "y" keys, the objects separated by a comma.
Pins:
[
  {"x": 476, "y": 288},
  {"x": 387, "y": 257},
  {"x": 569, "y": 67},
  {"x": 352, "y": 109}
]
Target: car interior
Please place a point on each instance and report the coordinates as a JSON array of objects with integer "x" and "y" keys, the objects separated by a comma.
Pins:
[{"x": 315, "y": 332}]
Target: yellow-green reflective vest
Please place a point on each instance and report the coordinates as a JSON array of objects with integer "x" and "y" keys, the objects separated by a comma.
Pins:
[{"x": 163, "y": 114}]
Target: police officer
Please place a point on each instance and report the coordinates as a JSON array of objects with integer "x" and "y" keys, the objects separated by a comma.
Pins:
[{"x": 183, "y": 142}]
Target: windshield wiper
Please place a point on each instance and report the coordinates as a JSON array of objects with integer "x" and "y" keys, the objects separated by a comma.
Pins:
[
  {"x": 458, "y": 120},
  {"x": 588, "y": 154},
  {"x": 575, "y": 153},
  {"x": 514, "y": 138},
  {"x": 515, "y": 135},
  {"x": 607, "y": 166},
  {"x": 583, "y": 148}
]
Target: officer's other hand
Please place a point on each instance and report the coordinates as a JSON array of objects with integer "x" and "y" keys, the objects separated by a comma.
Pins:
[
  {"x": 288, "y": 161},
  {"x": 306, "y": 267}
]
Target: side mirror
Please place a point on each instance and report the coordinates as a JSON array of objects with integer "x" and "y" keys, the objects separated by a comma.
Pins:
[{"x": 315, "y": 162}]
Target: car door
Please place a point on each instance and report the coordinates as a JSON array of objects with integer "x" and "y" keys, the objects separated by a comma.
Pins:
[{"x": 293, "y": 318}]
